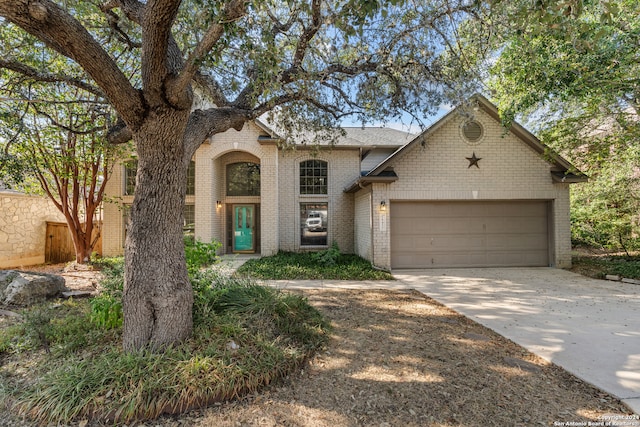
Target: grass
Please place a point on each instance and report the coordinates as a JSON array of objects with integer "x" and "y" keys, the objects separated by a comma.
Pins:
[
  {"x": 312, "y": 266},
  {"x": 600, "y": 265},
  {"x": 245, "y": 336}
]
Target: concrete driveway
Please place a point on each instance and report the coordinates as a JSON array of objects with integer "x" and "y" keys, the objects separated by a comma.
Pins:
[{"x": 589, "y": 327}]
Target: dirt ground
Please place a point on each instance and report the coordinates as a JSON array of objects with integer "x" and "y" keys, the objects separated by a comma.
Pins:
[{"x": 401, "y": 359}]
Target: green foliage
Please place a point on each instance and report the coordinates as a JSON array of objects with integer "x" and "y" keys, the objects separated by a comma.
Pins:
[
  {"x": 598, "y": 266},
  {"x": 37, "y": 327},
  {"x": 328, "y": 257},
  {"x": 300, "y": 266},
  {"x": 246, "y": 336},
  {"x": 200, "y": 254},
  {"x": 106, "y": 308},
  {"x": 60, "y": 328},
  {"x": 106, "y": 311}
]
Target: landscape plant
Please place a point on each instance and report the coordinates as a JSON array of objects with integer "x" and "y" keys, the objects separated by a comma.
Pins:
[
  {"x": 246, "y": 336},
  {"x": 328, "y": 264}
]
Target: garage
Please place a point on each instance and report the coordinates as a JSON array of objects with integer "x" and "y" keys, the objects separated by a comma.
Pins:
[{"x": 469, "y": 234}]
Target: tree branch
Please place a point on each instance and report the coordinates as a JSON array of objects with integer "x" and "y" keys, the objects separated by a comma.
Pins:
[
  {"x": 234, "y": 10},
  {"x": 47, "y": 21},
  {"x": 34, "y": 74},
  {"x": 206, "y": 123}
]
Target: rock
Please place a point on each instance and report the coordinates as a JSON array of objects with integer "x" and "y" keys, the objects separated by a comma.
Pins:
[
  {"x": 77, "y": 294},
  {"x": 24, "y": 288},
  {"x": 632, "y": 281},
  {"x": 614, "y": 277}
]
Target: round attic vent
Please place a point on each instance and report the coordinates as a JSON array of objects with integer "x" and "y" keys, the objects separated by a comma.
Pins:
[{"x": 472, "y": 131}]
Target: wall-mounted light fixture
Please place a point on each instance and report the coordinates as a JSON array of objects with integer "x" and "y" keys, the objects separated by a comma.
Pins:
[
  {"x": 218, "y": 204},
  {"x": 383, "y": 206}
]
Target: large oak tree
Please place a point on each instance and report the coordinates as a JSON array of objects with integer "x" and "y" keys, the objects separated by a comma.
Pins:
[{"x": 308, "y": 62}]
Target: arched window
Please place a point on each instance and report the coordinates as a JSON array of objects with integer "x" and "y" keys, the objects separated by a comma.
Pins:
[
  {"x": 313, "y": 177},
  {"x": 243, "y": 179}
]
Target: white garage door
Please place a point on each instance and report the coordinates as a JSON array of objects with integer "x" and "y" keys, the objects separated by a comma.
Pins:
[{"x": 469, "y": 234}]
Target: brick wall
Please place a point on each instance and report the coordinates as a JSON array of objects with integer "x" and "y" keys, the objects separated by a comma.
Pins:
[
  {"x": 363, "y": 224},
  {"x": 211, "y": 161},
  {"x": 343, "y": 168},
  {"x": 508, "y": 170}
]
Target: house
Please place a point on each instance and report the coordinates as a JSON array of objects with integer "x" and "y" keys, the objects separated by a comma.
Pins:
[{"x": 463, "y": 193}]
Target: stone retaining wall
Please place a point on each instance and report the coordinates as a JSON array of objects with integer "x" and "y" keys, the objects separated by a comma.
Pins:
[{"x": 23, "y": 226}]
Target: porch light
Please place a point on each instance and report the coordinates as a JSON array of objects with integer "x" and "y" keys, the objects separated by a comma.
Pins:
[
  {"x": 383, "y": 206},
  {"x": 218, "y": 204}
]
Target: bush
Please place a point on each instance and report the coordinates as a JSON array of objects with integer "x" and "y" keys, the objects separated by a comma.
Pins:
[
  {"x": 328, "y": 257},
  {"x": 106, "y": 308},
  {"x": 245, "y": 336},
  {"x": 200, "y": 254},
  {"x": 312, "y": 266}
]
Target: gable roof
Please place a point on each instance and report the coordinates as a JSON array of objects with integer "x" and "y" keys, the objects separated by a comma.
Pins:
[
  {"x": 370, "y": 137},
  {"x": 379, "y": 137},
  {"x": 561, "y": 168}
]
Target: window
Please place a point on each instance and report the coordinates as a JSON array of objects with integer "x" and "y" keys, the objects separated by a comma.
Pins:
[
  {"x": 313, "y": 224},
  {"x": 313, "y": 177},
  {"x": 191, "y": 178},
  {"x": 189, "y": 226},
  {"x": 130, "y": 170},
  {"x": 243, "y": 179},
  {"x": 472, "y": 132}
]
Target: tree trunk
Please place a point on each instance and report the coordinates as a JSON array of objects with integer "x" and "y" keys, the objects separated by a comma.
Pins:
[{"x": 158, "y": 299}]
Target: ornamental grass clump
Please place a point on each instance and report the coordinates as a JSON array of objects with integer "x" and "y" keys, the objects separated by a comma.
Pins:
[{"x": 245, "y": 336}]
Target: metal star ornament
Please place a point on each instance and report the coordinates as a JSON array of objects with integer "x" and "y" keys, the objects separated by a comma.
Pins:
[{"x": 473, "y": 160}]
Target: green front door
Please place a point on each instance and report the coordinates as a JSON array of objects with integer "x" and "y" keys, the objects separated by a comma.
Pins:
[{"x": 243, "y": 227}]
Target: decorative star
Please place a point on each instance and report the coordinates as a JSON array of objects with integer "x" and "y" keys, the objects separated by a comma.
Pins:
[{"x": 473, "y": 160}]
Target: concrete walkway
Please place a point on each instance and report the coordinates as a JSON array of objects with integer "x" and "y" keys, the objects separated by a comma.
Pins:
[{"x": 589, "y": 327}]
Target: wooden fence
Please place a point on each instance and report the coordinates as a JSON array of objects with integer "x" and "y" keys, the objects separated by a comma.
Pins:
[{"x": 59, "y": 244}]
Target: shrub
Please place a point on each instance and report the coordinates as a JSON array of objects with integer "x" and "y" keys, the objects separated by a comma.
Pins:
[
  {"x": 106, "y": 311},
  {"x": 328, "y": 257},
  {"x": 106, "y": 308},
  {"x": 200, "y": 254},
  {"x": 245, "y": 337}
]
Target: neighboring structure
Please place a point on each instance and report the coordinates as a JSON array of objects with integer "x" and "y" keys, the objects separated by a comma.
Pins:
[
  {"x": 463, "y": 193},
  {"x": 23, "y": 227}
]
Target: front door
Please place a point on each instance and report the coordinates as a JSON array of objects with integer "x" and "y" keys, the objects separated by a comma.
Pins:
[{"x": 243, "y": 228}]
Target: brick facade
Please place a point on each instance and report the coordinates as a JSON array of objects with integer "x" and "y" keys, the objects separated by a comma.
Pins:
[
  {"x": 434, "y": 167},
  {"x": 437, "y": 169},
  {"x": 279, "y": 200}
]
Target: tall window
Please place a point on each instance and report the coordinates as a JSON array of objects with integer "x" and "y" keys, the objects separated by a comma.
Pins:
[
  {"x": 313, "y": 224},
  {"x": 130, "y": 170},
  {"x": 189, "y": 226},
  {"x": 313, "y": 177},
  {"x": 243, "y": 179},
  {"x": 191, "y": 178}
]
